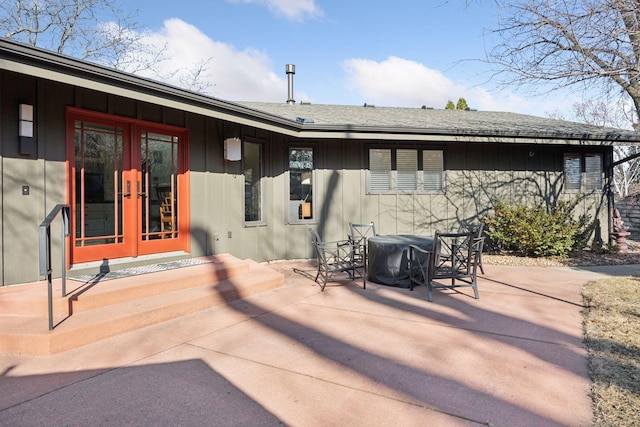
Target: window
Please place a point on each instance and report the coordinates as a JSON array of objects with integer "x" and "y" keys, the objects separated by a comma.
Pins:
[
  {"x": 582, "y": 172},
  {"x": 407, "y": 165},
  {"x": 405, "y": 170},
  {"x": 300, "y": 184},
  {"x": 252, "y": 170},
  {"x": 432, "y": 170},
  {"x": 379, "y": 170}
]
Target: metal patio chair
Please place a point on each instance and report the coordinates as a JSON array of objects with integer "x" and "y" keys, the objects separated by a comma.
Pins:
[
  {"x": 358, "y": 234},
  {"x": 338, "y": 257},
  {"x": 455, "y": 257},
  {"x": 476, "y": 229},
  {"x": 419, "y": 264}
]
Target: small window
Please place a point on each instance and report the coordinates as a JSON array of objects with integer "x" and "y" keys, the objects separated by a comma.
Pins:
[
  {"x": 593, "y": 171},
  {"x": 380, "y": 170},
  {"x": 407, "y": 166},
  {"x": 252, "y": 170},
  {"x": 432, "y": 170},
  {"x": 572, "y": 172},
  {"x": 300, "y": 184},
  {"x": 582, "y": 172},
  {"x": 398, "y": 170}
]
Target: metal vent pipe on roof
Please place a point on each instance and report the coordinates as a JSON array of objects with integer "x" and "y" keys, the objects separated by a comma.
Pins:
[{"x": 291, "y": 70}]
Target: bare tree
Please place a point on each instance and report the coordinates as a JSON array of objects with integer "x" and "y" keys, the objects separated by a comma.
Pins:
[
  {"x": 92, "y": 30},
  {"x": 194, "y": 78},
  {"x": 559, "y": 43},
  {"x": 97, "y": 31}
]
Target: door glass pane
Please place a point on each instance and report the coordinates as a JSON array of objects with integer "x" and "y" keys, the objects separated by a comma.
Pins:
[
  {"x": 300, "y": 183},
  {"x": 159, "y": 186},
  {"x": 98, "y": 184}
]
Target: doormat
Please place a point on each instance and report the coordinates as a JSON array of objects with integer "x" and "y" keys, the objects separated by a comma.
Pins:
[{"x": 136, "y": 271}]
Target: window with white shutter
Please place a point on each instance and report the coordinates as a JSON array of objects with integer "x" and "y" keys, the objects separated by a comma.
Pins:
[
  {"x": 407, "y": 170},
  {"x": 432, "y": 170},
  {"x": 398, "y": 170},
  {"x": 379, "y": 170}
]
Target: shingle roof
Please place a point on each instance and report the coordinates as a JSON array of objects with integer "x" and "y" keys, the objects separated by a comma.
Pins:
[
  {"x": 467, "y": 123},
  {"x": 315, "y": 120}
]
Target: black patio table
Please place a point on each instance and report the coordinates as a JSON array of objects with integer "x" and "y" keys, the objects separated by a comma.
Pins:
[{"x": 389, "y": 258}]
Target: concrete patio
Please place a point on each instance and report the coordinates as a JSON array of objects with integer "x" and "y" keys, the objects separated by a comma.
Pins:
[{"x": 347, "y": 356}]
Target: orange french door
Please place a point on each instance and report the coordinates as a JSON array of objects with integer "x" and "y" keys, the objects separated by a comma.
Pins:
[{"x": 128, "y": 187}]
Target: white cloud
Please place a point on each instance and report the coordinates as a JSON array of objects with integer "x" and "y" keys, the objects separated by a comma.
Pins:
[
  {"x": 294, "y": 10},
  {"x": 247, "y": 75},
  {"x": 398, "y": 82},
  {"x": 230, "y": 74},
  {"x": 402, "y": 82}
]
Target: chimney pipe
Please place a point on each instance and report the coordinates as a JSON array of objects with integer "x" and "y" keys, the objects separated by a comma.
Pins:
[{"x": 291, "y": 70}]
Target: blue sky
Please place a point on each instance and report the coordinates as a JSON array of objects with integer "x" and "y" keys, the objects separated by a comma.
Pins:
[{"x": 404, "y": 53}]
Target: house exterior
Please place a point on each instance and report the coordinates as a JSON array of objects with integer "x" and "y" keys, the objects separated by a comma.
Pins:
[{"x": 151, "y": 171}]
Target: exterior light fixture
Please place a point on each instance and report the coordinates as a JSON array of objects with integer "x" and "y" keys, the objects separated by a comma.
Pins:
[
  {"x": 25, "y": 121},
  {"x": 26, "y": 131},
  {"x": 233, "y": 149}
]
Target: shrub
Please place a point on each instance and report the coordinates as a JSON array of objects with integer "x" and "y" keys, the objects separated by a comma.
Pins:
[{"x": 537, "y": 231}]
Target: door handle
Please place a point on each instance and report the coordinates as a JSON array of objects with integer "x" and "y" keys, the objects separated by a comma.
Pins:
[
  {"x": 128, "y": 192},
  {"x": 140, "y": 193}
]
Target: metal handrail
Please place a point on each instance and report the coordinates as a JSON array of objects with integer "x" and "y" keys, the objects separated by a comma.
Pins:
[{"x": 44, "y": 241}]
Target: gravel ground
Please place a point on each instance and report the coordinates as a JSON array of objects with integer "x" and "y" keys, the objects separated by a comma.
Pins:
[{"x": 578, "y": 258}]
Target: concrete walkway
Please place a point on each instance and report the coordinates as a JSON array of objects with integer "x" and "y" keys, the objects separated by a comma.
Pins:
[{"x": 294, "y": 356}]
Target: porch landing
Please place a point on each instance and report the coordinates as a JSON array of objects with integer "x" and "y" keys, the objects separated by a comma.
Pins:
[{"x": 94, "y": 310}]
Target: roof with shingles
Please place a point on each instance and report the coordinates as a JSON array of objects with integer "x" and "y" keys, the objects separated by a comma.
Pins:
[
  {"x": 467, "y": 123},
  {"x": 322, "y": 121}
]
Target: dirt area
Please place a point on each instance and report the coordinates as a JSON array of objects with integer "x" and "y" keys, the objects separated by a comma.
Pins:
[{"x": 577, "y": 258}]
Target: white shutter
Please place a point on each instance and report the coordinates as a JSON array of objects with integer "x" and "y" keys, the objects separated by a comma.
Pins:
[
  {"x": 379, "y": 170},
  {"x": 432, "y": 170},
  {"x": 407, "y": 168}
]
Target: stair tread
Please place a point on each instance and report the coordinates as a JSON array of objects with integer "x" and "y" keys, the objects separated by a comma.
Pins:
[
  {"x": 30, "y": 333},
  {"x": 31, "y": 299}
]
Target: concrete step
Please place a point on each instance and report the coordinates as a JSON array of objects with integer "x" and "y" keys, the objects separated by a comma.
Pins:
[
  {"x": 31, "y": 300},
  {"x": 104, "y": 309}
]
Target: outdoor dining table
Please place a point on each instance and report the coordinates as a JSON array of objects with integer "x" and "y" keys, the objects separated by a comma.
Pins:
[{"x": 389, "y": 257}]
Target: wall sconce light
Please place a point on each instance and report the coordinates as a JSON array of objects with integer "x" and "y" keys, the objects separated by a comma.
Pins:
[
  {"x": 233, "y": 149},
  {"x": 26, "y": 121},
  {"x": 26, "y": 130}
]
